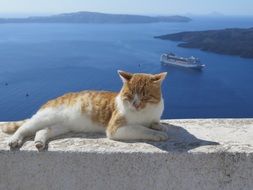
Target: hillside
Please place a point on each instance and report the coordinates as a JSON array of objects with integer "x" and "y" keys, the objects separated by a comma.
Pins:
[
  {"x": 233, "y": 41},
  {"x": 93, "y": 17}
]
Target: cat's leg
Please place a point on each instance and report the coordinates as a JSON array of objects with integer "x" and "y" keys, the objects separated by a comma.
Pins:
[
  {"x": 137, "y": 132},
  {"x": 43, "y": 135},
  {"x": 41, "y": 138},
  {"x": 39, "y": 121}
]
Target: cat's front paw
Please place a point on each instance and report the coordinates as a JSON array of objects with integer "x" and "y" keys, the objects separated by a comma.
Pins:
[
  {"x": 161, "y": 137},
  {"x": 158, "y": 126},
  {"x": 40, "y": 145},
  {"x": 15, "y": 142}
]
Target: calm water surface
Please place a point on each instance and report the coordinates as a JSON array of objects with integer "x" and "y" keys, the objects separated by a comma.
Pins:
[{"x": 44, "y": 61}]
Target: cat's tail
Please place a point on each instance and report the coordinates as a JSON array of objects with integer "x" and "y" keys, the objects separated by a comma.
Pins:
[{"x": 11, "y": 127}]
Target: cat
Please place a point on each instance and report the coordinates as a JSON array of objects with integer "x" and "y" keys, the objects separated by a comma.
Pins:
[{"x": 132, "y": 114}]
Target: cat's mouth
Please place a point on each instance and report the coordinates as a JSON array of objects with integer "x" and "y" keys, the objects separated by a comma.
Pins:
[{"x": 137, "y": 107}]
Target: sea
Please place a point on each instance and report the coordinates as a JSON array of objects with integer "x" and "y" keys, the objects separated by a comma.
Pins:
[{"x": 39, "y": 62}]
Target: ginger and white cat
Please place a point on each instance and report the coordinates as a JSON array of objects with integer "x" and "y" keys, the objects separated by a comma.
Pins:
[{"x": 132, "y": 114}]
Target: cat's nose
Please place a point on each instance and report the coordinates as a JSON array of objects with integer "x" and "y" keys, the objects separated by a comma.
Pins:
[{"x": 136, "y": 105}]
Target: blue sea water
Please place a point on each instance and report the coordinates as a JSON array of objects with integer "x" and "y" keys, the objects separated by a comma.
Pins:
[{"x": 39, "y": 62}]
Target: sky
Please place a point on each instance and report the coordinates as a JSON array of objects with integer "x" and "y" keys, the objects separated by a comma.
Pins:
[{"x": 12, "y": 8}]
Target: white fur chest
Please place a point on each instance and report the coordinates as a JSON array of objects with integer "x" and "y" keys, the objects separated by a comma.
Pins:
[{"x": 151, "y": 113}]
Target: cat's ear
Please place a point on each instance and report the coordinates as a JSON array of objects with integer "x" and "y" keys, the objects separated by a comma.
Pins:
[
  {"x": 125, "y": 76},
  {"x": 158, "y": 78}
]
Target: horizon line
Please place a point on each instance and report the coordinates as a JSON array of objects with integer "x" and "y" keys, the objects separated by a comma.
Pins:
[{"x": 31, "y": 14}]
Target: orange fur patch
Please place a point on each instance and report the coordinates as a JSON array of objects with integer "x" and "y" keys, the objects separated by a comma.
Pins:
[
  {"x": 99, "y": 105},
  {"x": 11, "y": 127}
]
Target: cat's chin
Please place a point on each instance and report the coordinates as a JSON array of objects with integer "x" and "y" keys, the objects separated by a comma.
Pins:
[{"x": 133, "y": 109}]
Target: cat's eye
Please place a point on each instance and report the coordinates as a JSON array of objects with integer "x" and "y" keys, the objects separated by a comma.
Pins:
[
  {"x": 144, "y": 94},
  {"x": 145, "y": 99},
  {"x": 127, "y": 97},
  {"x": 153, "y": 99}
]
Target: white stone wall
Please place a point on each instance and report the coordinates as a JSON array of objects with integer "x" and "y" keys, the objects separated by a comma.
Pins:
[{"x": 208, "y": 154}]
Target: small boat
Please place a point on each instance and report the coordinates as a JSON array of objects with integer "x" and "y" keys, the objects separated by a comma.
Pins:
[{"x": 172, "y": 59}]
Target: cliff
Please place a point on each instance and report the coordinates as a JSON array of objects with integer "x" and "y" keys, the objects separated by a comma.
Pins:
[{"x": 232, "y": 41}]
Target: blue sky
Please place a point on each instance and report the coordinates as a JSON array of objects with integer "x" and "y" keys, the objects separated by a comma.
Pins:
[{"x": 147, "y": 7}]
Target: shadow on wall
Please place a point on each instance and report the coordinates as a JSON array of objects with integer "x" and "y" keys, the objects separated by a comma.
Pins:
[{"x": 180, "y": 140}]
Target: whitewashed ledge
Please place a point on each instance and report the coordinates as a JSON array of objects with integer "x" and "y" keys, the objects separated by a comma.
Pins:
[{"x": 202, "y": 154}]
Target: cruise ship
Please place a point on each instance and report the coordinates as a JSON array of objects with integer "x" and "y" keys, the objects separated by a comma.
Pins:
[{"x": 172, "y": 59}]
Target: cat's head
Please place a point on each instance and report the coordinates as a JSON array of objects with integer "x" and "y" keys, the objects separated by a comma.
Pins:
[{"x": 141, "y": 89}]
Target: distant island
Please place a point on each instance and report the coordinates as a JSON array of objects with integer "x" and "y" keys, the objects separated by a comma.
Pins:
[
  {"x": 93, "y": 17},
  {"x": 233, "y": 41}
]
